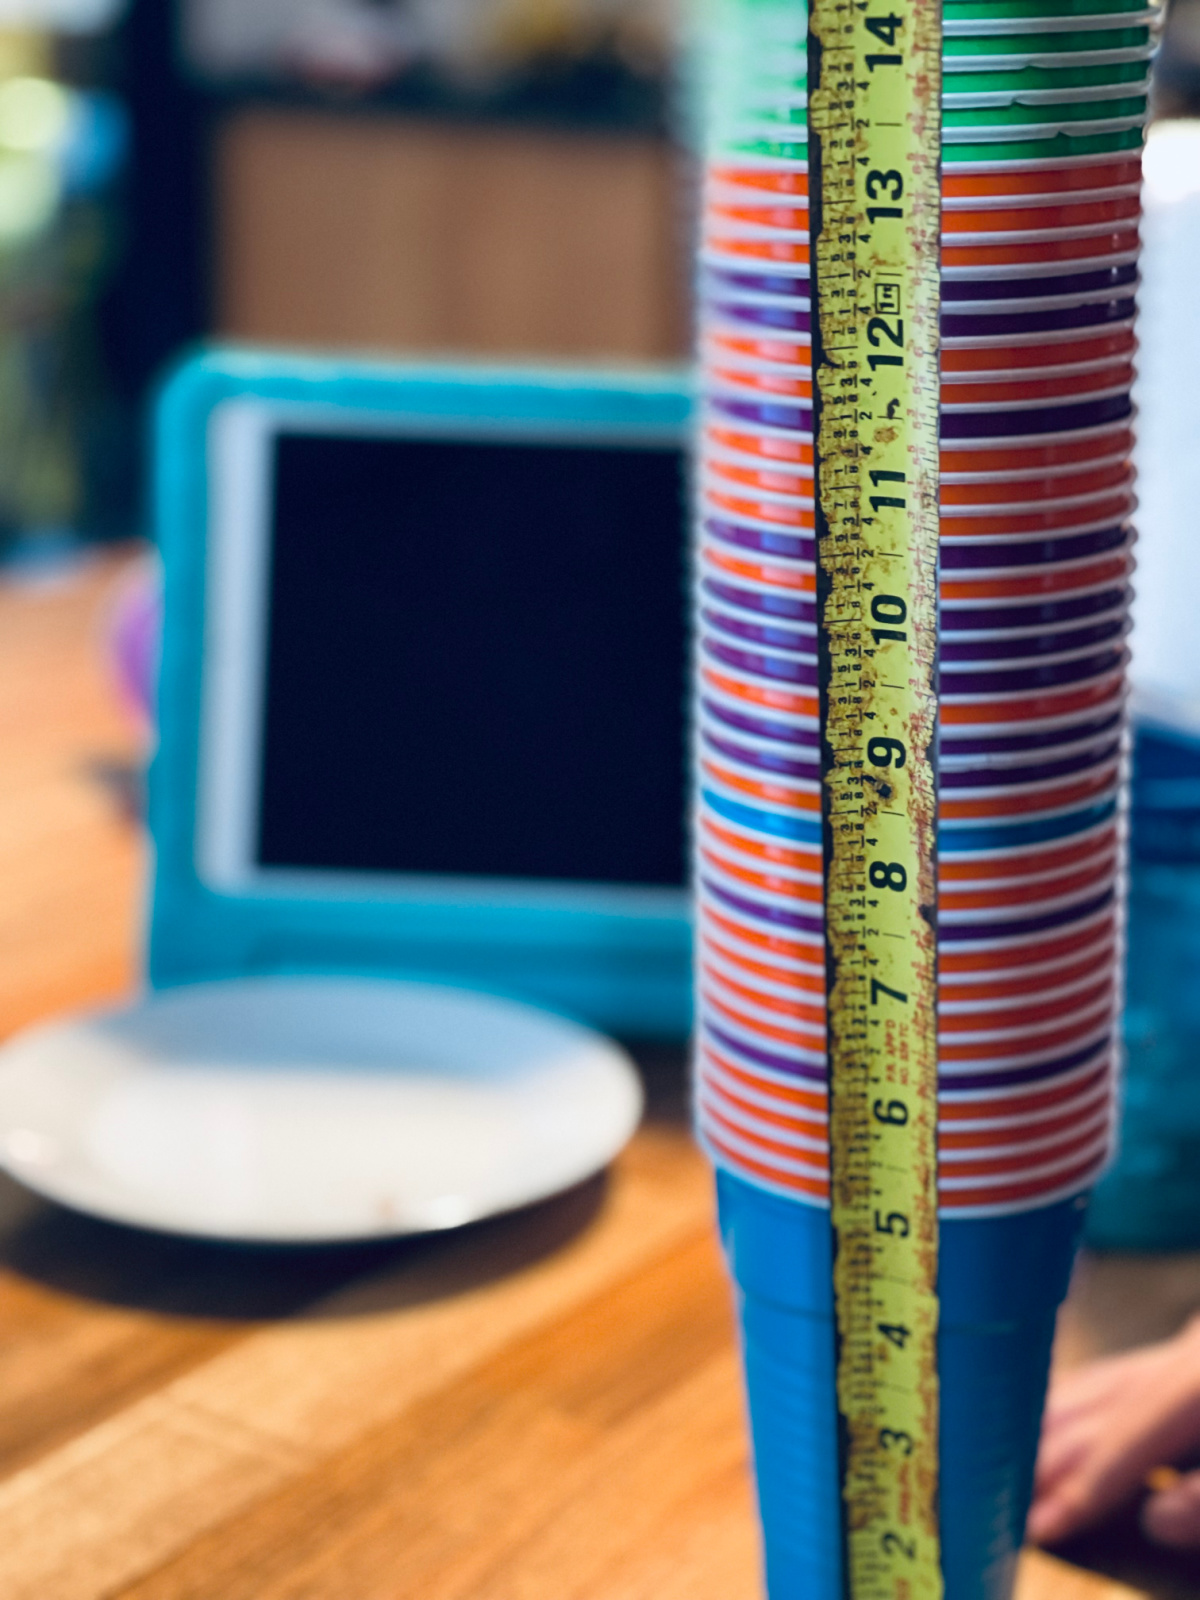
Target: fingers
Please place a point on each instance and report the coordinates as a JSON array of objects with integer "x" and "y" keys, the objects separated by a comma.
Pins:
[
  {"x": 1172, "y": 1516},
  {"x": 1104, "y": 1470},
  {"x": 1077, "y": 1408},
  {"x": 1062, "y": 1449},
  {"x": 1099, "y": 1381},
  {"x": 1096, "y": 1451},
  {"x": 1054, "y": 1516}
]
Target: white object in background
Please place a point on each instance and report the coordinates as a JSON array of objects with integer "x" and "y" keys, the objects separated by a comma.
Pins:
[
  {"x": 1166, "y": 639},
  {"x": 297, "y": 1110},
  {"x": 61, "y": 16}
]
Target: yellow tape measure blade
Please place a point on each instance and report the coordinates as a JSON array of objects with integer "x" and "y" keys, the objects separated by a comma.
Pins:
[{"x": 874, "y": 146}]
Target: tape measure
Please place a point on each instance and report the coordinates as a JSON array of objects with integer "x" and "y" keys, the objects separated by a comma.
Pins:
[{"x": 874, "y": 197}]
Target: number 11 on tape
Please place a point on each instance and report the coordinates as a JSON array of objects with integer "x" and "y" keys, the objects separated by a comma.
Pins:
[{"x": 874, "y": 196}]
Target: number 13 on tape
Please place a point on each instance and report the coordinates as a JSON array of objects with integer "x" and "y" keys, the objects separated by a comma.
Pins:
[{"x": 874, "y": 196}]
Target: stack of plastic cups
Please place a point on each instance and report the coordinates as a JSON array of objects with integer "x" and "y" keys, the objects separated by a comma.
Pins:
[{"x": 1044, "y": 102}]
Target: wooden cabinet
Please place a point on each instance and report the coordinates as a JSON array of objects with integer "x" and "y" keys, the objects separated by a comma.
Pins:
[{"x": 390, "y": 234}]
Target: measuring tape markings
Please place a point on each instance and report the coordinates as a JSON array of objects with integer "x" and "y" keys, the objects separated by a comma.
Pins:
[{"x": 874, "y": 148}]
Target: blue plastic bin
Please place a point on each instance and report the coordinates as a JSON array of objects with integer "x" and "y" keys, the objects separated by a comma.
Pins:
[{"x": 1151, "y": 1197}]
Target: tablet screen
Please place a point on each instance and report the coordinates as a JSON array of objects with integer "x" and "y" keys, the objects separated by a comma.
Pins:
[{"x": 475, "y": 659}]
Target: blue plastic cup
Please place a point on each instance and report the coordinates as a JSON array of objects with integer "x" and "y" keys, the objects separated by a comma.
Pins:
[
  {"x": 1001, "y": 1281},
  {"x": 1150, "y": 1200}
]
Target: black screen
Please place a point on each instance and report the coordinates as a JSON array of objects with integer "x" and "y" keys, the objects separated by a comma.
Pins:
[{"x": 476, "y": 660}]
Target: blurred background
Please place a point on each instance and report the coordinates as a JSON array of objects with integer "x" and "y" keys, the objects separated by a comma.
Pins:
[{"x": 491, "y": 176}]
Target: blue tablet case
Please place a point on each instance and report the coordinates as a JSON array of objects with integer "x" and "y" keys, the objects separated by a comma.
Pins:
[{"x": 621, "y": 966}]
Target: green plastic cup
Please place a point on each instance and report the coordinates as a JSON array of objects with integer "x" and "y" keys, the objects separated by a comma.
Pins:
[
  {"x": 1045, "y": 105},
  {"x": 1051, "y": 148},
  {"x": 1044, "y": 79},
  {"x": 762, "y": 119},
  {"x": 770, "y": 149},
  {"x": 968, "y": 69},
  {"x": 997, "y": 37},
  {"x": 1050, "y": 118},
  {"x": 1000, "y": 10},
  {"x": 1022, "y": 145},
  {"x": 970, "y": 53}
]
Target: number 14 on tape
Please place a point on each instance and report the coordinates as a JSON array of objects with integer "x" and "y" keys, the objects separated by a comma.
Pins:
[{"x": 874, "y": 147}]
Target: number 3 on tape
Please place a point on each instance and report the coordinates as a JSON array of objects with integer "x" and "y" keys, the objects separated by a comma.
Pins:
[{"x": 874, "y": 146}]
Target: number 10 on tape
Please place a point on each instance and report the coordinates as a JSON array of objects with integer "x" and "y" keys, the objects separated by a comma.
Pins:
[{"x": 874, "y": 196}]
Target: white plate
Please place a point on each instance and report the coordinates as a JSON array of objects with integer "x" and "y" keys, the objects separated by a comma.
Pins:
[{"x": 294, "y": 1109}]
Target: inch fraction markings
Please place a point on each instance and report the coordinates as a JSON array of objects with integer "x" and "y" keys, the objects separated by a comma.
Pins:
[{"x": 874, "y": 195}]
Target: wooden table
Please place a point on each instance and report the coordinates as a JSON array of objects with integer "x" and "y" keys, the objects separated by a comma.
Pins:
[{"x": 544, "y": 1407}]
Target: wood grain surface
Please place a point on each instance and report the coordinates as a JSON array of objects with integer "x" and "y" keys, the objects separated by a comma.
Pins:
[{"x": 542, "y": 1407}]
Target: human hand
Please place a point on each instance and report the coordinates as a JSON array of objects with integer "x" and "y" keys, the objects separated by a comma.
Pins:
[{"x": 1107, "y": 1428}]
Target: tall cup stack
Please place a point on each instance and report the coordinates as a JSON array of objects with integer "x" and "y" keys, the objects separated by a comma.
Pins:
[{"x": 1044, "y": 103}]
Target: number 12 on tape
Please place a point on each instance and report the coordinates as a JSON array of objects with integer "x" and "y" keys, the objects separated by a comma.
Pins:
[{"x": 874, "y": 196}]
